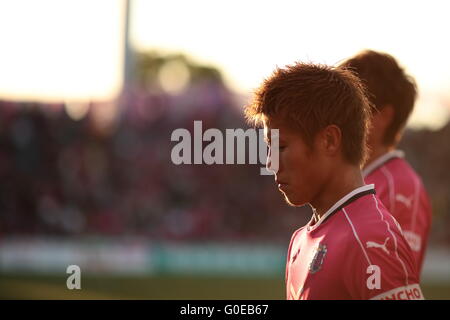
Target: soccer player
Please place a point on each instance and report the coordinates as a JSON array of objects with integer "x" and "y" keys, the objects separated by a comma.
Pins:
[
  {"x": 398, "y": 186},
  {"x": 352, "y": 248}
]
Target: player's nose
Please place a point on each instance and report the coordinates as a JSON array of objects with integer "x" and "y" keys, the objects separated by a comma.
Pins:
[
  {"x": 272, "y": 164},
  {"x": 269, "y": 161}
]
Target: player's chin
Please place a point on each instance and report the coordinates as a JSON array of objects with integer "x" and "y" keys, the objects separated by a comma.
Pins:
[{"x": 293, "y": 200}]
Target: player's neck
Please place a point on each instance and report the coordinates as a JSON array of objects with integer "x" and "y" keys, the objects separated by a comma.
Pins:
[
  {"x": 377, "y": 152},
  {"x": 336, "y": 188}
]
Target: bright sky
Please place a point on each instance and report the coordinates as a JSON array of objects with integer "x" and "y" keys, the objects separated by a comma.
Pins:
[
  {"x": 73, "y": 49},
  {"x": 57, "y": 49}
]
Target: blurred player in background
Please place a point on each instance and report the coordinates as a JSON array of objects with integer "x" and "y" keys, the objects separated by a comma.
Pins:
[
  {"x": 352, "y": 248},
  {"x": 392, "y": 94}
]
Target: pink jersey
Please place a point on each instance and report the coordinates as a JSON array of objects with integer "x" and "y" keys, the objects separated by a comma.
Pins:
[
  {"x": 402, "y": 192},
  {"x": 355, "y": 251}
]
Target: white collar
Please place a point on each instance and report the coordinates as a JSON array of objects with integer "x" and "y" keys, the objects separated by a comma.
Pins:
[
  {"x": 382, "y": 160},
  {"x": 338, "y": 204}
]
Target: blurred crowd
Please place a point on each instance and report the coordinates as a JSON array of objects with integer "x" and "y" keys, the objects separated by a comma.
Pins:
[
  {"x": 62, "y": 176},
  {"x": 85, "y": 177}
]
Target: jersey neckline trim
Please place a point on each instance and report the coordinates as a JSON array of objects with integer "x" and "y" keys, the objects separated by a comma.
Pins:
[
  {"x": 382, "y": 160},
  {"x": 343, "y": 202}
]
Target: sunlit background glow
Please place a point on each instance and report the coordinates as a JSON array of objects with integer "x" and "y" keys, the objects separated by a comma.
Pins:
[
  {"x": 75, "y": 49},
  {"x": 53, "y": 50}
]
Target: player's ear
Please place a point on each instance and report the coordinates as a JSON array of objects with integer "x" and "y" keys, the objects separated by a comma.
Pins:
[{"x": 331, "y": 140}]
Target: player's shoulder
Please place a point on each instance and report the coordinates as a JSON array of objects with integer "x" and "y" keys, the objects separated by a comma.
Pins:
[
  {"x": 368, "y": 220},
  {"x": 296, "y": 233},
  {"x": 392, "y": 166},
  {"x": 402, "y": 171}
]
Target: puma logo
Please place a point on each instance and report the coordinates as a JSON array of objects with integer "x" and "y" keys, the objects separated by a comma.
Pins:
[
  {"x": 296, "y": 295},
  {"x": 371, "y": 244},
  {"x": 406, "y": 201}
]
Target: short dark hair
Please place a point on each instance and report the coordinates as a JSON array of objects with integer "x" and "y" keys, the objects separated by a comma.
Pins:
[
  {"x": 312, "y": 96},
  {"x": 387, "y": 84}
]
